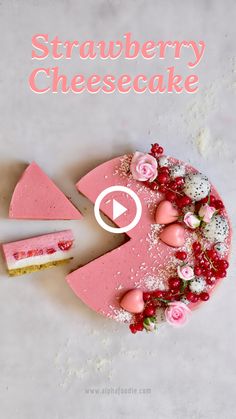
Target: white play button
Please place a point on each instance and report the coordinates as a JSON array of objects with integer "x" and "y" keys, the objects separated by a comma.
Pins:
[{"x": 118, "y": 209}]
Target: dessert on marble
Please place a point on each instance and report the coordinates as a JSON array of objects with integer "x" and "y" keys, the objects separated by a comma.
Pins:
[
  {"x": 34, "y": 254},
  {"x": 175, "y": 256},
  {"x": 36, "y": 197}
]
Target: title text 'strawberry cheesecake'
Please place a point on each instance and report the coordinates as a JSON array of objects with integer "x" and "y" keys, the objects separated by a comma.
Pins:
[
  {"x": 34, "y": 254},
  {"x": 176, "y": 254},
  {"x": 36, "y": 197}
]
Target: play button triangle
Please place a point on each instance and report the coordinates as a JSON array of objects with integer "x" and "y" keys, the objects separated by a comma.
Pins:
[{"x": 118, "y": 209}]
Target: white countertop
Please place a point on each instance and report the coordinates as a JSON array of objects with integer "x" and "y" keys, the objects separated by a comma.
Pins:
[{"x": 54, "y": 351}]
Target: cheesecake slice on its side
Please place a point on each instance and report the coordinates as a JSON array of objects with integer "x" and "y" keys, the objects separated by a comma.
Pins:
[{"x": 37, "y": 253}]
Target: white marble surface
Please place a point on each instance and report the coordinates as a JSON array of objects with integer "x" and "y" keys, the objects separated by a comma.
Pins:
[{"x": 52, "y": 347}]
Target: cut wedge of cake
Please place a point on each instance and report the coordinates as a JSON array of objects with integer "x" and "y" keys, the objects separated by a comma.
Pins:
[{"x": 36, "y": 197}]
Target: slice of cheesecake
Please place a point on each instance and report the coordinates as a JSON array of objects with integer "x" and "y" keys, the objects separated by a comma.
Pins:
[
  {"x": 36, "y": 197},
  {"x": 34, "y": 254}
]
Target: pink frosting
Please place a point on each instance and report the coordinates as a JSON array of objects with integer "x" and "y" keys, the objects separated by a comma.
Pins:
[
  {"x": 143, "y": 167},
  {"x": 177, "y": 313}
]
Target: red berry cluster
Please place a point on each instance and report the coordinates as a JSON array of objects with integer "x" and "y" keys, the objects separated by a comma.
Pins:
[
  {"x": 156, "y": 150},
  {"x": 213, "y": 202},
  {"x": 172, "y": 188},
  {"x": 208, "y": 264}
]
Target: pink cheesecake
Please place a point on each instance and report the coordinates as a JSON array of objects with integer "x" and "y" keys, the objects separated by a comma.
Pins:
[
  {"x": 36, "y": 197},
  {"x": 34, "y": 254},
  {"x": 151, "y": 260}
]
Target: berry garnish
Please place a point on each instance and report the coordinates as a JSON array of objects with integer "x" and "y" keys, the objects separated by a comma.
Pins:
[
  {"x": 181, "y": 255},
  {"x": 204, "y": 296},
  {"x": 170, "y": 196},
  {"x": 158, "y": 294},
  {"x": 184, "y": 201},
  {"x": 139, "y": 326},
  {"x": 196, "y": 246},
  {"x": 193, "y": 298},
  {"x": 146, "y": 296},
  {"x": 218, "y": 204},
  {"x": 163, "y": 178},
  {"x": 133, "y": 328},
  {"x": 149, "y": 311},
  {"x": 65, "y": 245},
  {"x": 157, "y": 150},
  {"x": 164, "y": 170},
  {"x": 197, "y": 270},
  {"x": 179, "y": 181},
  {"x": 174, "y": 283}
]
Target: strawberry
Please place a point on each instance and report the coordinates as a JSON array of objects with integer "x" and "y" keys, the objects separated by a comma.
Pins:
[
  {"x": 34, "y": 252},
  {"x": 50, "y": 251},
  {"x": 19, "y": 255},
  {"x": 65, "y": 245}
]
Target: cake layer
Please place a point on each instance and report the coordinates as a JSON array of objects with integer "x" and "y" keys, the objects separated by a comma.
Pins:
[{"x": 35, "y": 268}]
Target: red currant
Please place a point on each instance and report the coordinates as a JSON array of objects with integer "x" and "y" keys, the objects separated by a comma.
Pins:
[
  {"x": 204, "y": 200},
  {"x": 218, "y": 204},
  {"x": 149, "y": 311},
  {"x": 212, "y": 254},
  {"x": 139, "y": 326},
  {"x": 162, "y": 188},
  {"x": 139, "y": 318},
  {"x": 146, "y": 296},
  {"x": 157, "y": 294},
  {"x": 185, "y": 200},
  {"x": 196, "y": 246},
  {"x": 170, "y": 196},
  {"x": 173, "y": 185},
  {"x": 154, "y": 148},
  {"x": 204, "y": 296},
  {"x": 210, "y": 281},
  {"x": 221, "y": 274},
  {"x": 193, "y": 298},
  {"x": 181, "y": 255},
  {"x": 222, "y": 264},
  {"x": 197, "y": 271},
  {"x": 133, "y": 328},
  {"x": 212, "y": 200},
  {"x": 164, "y": 170},
  {"x": 163, "y": 178},
  {"x": 179, "y": 181},
  {"x": 174, "y": 283},
  {"x": 160, "y": 150}
]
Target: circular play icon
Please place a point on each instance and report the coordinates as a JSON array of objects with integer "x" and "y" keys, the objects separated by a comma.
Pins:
[{"x": 118, "y": 209}]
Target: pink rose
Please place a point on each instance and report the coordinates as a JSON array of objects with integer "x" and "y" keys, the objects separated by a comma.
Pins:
[
  {"x": 206, "y": 213},
  {"x": 143, "y": 167},
  {"x": 191, "y": 220},
  {"x": 177, "y": 313},
  {"x": 185, "y": 272}
]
